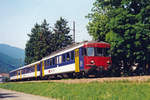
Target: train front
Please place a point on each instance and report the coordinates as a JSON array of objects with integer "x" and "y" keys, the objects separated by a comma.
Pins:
[{"x": 97, "y": 59}]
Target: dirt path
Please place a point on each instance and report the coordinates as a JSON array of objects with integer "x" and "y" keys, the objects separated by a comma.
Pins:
[{"x": 12, "y": 95}]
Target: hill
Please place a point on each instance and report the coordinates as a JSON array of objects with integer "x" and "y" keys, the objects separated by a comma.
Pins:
[
  {"x": 11, "y": 51},
  {"x": 10, "y": 58}
]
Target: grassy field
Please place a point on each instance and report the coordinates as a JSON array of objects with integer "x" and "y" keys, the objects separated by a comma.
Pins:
[{"x": 117, "y": 90}]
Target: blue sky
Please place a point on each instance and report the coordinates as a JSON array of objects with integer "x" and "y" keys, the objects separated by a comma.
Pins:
[{"x": 17, "y": 17}]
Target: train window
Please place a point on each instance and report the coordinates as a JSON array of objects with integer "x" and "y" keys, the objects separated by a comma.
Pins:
[
  {"x": 63, "y": 60},
  {"x": 27, "y": 70},
  {"x": 102, "y": 52},
  {"x": 33, "y": 68},
  {"x": 72, "y": 55},
  {"x": 48, "y": 62},
  {"x": 45, "y": 63},
  {"x": 22, "y": 71},
  {"x": 30, "y": 69},
  {"x": 83, "y": 51},
  {"x": 68, "y": 56},
  {"x": 90, "y": 51},
  {"x": 60, "y": 59},
  {"x": 55, "y": 60},
  {"x": 18, "y": 72},
  {"x": 38, "y": 67},
  {"x": 99, "y": 52}
]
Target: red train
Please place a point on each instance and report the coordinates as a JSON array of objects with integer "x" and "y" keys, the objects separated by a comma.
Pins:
[{"x": 97, "y": 58}]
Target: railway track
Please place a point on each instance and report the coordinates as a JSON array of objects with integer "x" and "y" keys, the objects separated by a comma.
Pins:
[{"x": 88, "y": 80}]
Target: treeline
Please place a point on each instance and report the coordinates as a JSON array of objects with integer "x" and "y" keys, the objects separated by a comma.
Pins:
[
  {"x": 125, "y": 24},
  {"x": 44, "y": 39}
]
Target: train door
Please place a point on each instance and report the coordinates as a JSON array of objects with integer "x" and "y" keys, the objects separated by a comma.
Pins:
[
  {"x": 81, "y": 59},
  {"x": 77, "y": 60},
  {"x": 17, "y": 75},
  {"x": 57, "y": 61},
  {"x": 40, "y": 66},
  {"x": 35, "y": 70},
  {"x": 42, "y": 69},
  {"x": 20, "y": 74}
]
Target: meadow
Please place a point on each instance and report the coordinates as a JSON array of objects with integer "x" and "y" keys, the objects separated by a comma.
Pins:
[{"x": 116, "y": 90}]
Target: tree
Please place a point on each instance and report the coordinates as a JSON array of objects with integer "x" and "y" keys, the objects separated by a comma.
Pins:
[
  {"x": 38, "y": 44},
  {"x": 44, "y": 40},
  {"x": 61, "y": 31},
  {"x": 125, "y": 24},
  {"x": 31, "y": 44}
]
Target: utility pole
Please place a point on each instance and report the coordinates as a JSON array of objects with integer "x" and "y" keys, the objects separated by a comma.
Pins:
[
  {"x": 20, "y": 61},
  {"x": 74, "y": 31}
]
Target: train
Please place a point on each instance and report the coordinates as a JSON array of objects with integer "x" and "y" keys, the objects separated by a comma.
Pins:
[{"x": 78, "y": 60}]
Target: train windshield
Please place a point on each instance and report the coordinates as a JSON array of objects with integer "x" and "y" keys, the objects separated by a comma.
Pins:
[
  {"x": 105, "y": 52},
  {"x": 90, "y": 51},
  {"x": 102, "y": 52}
]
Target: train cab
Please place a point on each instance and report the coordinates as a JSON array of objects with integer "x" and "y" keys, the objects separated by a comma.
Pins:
[{"x": 97, "y": 57}]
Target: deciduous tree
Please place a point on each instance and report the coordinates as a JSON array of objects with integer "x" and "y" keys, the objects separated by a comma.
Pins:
[{"x": 126, "y": 25}]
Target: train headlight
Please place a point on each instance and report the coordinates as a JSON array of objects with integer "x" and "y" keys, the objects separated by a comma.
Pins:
[
  {"x": 108, "y": 62},
  {"x": 92, "y": 62}
]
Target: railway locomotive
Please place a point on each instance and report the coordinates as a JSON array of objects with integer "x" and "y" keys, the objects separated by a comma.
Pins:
[{"x": 78, "y": 60}]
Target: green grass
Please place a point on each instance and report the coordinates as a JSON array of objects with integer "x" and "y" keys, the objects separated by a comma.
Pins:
[{"x": 118, "y": 90}]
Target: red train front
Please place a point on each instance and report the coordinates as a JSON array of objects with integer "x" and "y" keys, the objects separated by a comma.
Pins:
[{"x": 96, "y": 57}]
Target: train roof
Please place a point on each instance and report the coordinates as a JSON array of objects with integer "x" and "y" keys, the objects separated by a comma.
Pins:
[
  {"x": 70, "y": 47},
  {"x": 37, "y": 62},
  {"x": 63, "y": 50}
]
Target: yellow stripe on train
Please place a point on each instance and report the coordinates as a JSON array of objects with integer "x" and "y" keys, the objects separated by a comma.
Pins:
[
  {"x": 36, "y": 70},
  {"x": 20, "y": 74},
  {"x": 77, "y": 60},
  {"x": 17, "y": 75},
  {"x": 43, "y": 68}
]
